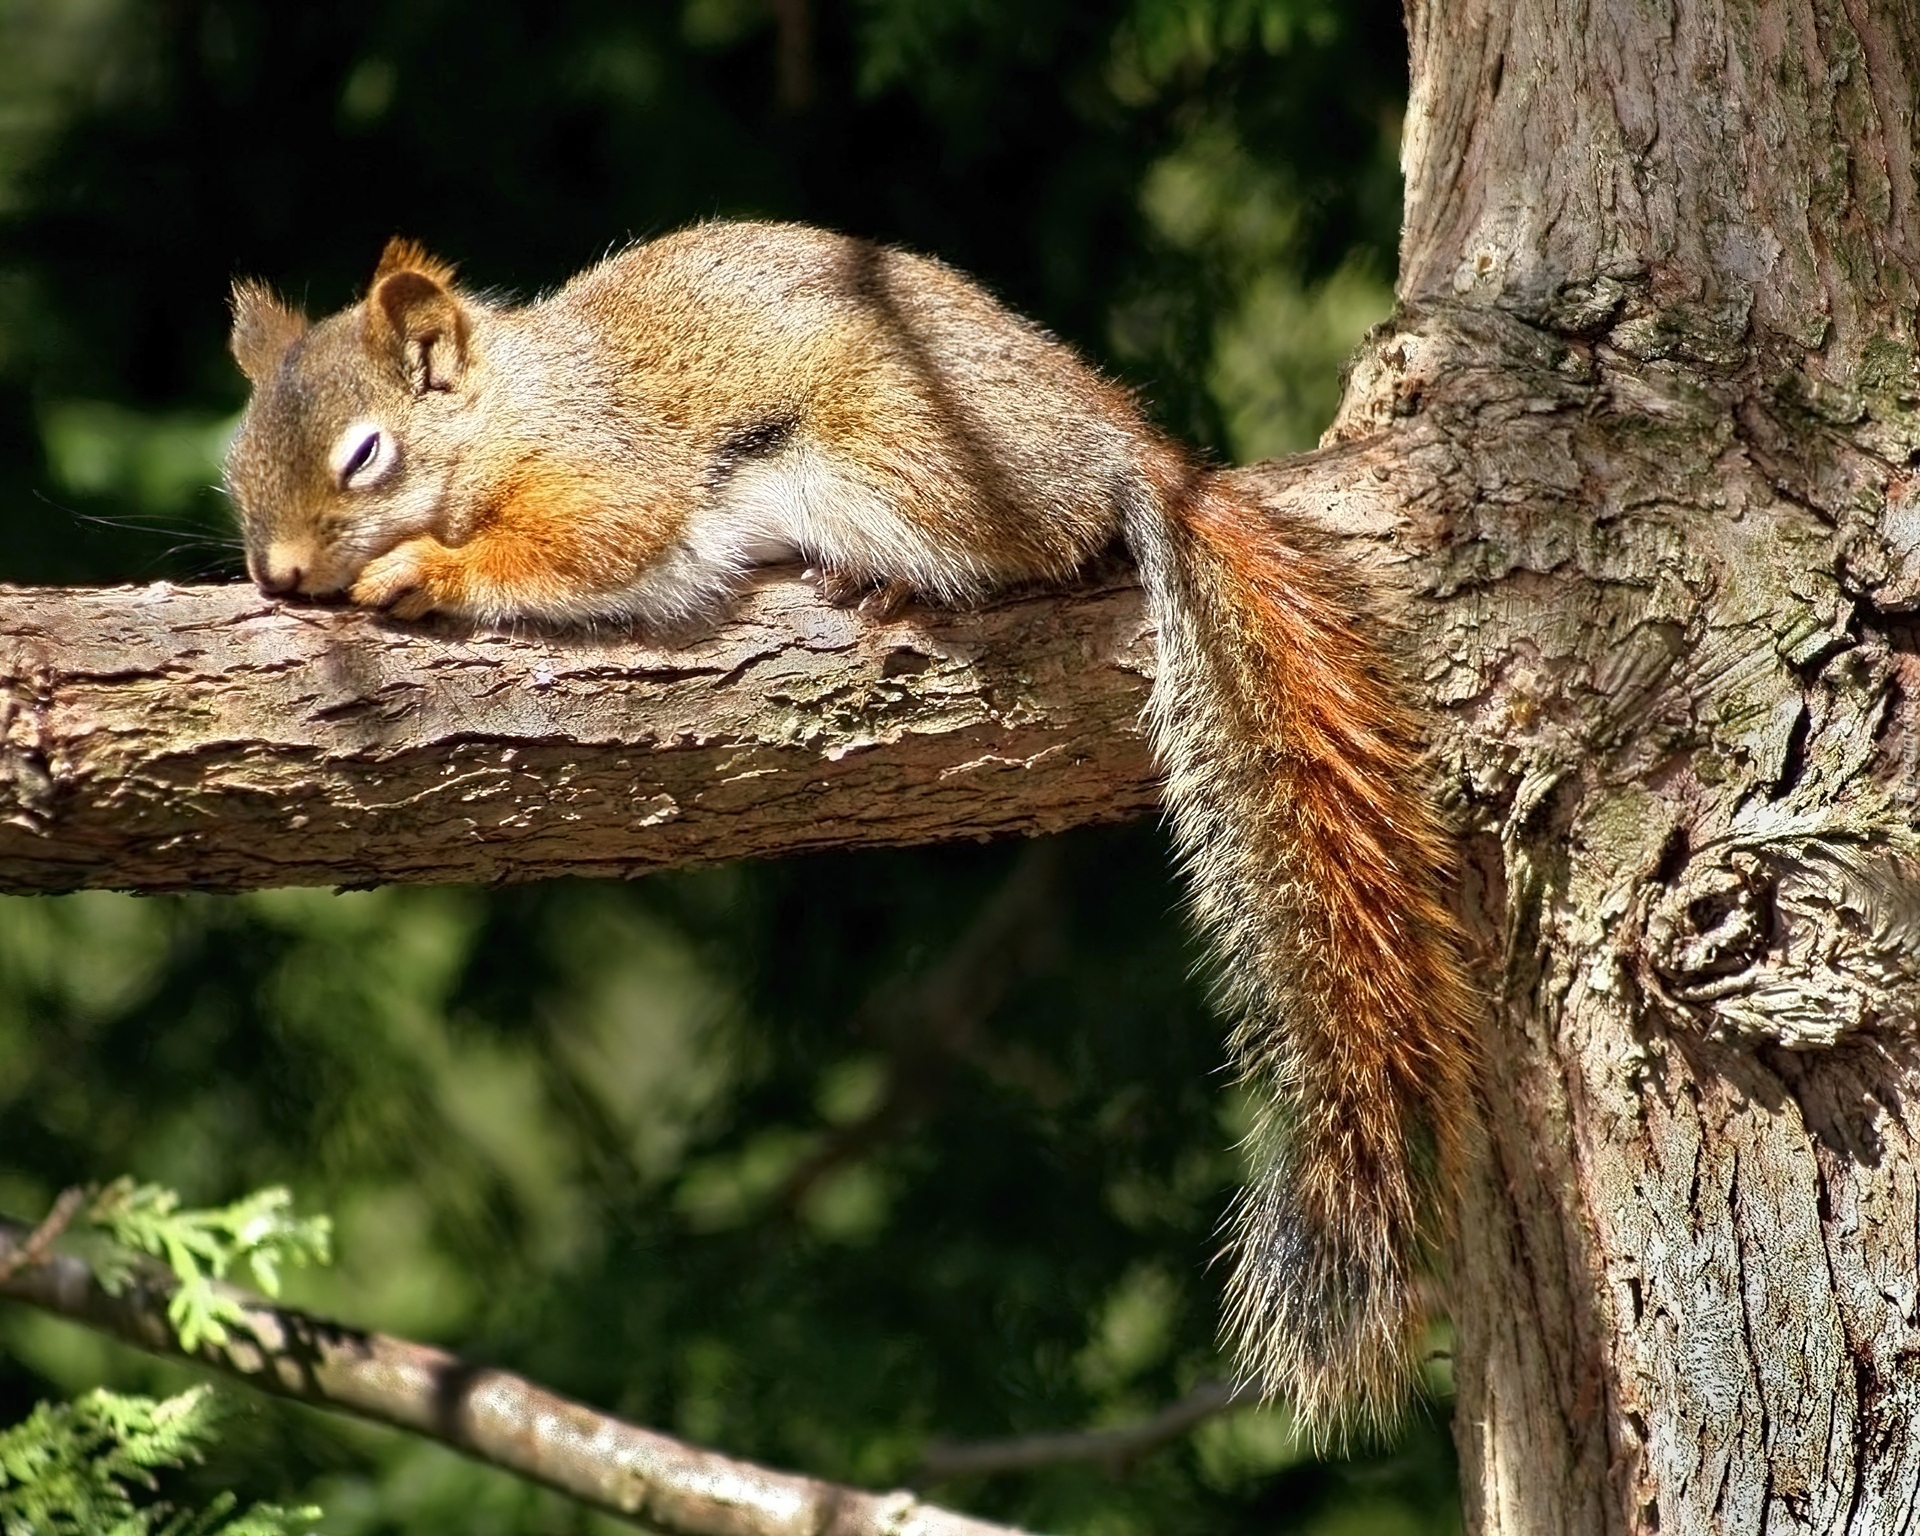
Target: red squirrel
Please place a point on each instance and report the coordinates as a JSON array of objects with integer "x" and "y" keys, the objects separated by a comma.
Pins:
[{"x": 735, "y": 394}]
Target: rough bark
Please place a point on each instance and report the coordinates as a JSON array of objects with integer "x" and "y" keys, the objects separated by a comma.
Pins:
[
  {"x": 167, "y": 738},
  {"x": 1655, "y": 413},
  {"x": 162, "y": 738}
]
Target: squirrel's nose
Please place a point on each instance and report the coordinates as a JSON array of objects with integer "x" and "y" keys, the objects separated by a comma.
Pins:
[{"x": 276, "y": 576}]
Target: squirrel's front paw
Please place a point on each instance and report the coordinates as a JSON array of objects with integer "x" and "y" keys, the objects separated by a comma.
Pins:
[{"x": 408, "y": 581}]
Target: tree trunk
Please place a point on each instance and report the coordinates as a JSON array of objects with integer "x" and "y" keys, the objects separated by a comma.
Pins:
[{"x": 1651, "y": 404}]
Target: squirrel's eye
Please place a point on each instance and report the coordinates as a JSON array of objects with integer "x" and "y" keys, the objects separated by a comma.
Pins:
[{"x": 362, "y": 456}]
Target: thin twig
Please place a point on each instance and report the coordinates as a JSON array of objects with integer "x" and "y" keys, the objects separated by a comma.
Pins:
[
  {"x": 33, "y": 1248},
  {"x": 493, "y": 1416},
  {"x": 1115, "y": 1448}
]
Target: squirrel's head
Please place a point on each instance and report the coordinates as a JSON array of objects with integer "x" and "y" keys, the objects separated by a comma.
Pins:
[{"x": 352, "y": 430}]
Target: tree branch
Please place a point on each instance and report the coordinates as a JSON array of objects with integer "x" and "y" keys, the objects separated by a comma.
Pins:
[
  {"x": 171, "y": 738},
  {"x": 1114, "y": 1448},
  {"x": 493, "y": 1416},
  {"x": 32, "y": 1249},
  {"x": 164, "y": 738}
]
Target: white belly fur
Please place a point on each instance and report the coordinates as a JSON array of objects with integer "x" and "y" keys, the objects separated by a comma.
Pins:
[{"x": 798, "y": 504}]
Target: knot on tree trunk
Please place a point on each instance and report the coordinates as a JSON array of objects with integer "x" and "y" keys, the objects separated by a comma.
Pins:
[{"x": 1800, "y": 948}]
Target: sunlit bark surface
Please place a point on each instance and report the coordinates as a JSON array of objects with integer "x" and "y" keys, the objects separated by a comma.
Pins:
[
  {"x": 162, "y": 738},
  {"x": 1654, "y": 394}
]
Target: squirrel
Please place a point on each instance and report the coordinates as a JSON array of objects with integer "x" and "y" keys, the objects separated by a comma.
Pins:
[{"x": 625, "y": 449}]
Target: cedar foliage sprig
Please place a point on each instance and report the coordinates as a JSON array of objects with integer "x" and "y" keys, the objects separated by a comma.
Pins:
[
  {"x": 201, "y": 1247},
  {"x": 70, "y": 1469}
]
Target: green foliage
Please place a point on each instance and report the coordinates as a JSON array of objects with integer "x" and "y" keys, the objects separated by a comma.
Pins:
[
  {"x": 70, "y": 1469},
  {"x": 257, "y": 1232},
  {"x": 710, "y": 1150},
  {"x": 156, "y": 462}
]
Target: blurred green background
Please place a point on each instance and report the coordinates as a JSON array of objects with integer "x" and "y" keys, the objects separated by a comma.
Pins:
[{"x": 815, "y": 1161}]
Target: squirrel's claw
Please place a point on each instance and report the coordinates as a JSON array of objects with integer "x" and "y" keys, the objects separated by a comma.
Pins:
[
  {"x": 884, "y": 602},
  {"x": 881, "y": 603}
]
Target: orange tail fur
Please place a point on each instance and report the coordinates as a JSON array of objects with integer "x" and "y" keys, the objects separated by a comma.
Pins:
[{"x": 1318, "y": 868}]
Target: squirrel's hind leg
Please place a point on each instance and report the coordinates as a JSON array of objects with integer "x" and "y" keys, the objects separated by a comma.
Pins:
[{"x": 880, "y": 601}]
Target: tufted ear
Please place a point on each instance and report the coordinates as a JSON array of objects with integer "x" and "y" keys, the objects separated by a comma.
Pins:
[
  {"x": 414, "y": 310},
  {"x": 263, "y": 328}
]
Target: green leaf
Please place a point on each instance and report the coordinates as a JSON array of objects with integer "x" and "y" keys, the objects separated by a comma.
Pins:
[
  {"x": 202, "y": 1247},
  {"x": 70, "y": 1469}
]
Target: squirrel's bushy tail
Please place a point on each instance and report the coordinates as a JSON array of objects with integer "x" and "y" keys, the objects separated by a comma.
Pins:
[{"x": 1318, "y": 868}]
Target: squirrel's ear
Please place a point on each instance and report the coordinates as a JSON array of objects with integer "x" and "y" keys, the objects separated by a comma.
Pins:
[
  {"x": 263, "y": 329},
  {"x": 414, "y": 309},
  {"x": 402, "y": 255}
]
